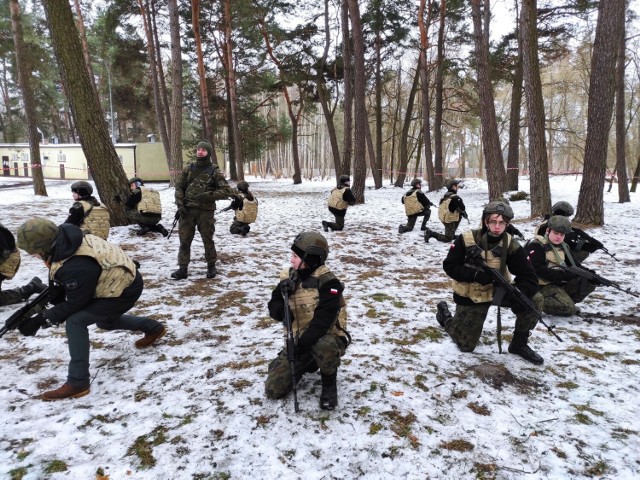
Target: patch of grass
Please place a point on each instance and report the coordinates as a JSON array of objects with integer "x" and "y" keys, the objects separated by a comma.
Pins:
[
  {"x": 622, "y": 433},
  {"x": 569, "y": 385},
  {"x": 143, "y": 446},
  {"x": 55, "y": 466},
  {"x": 370, "y": 274},
  {"x": 18, "y": 473},
  {"x": 241, "y": 365},
  {"x": 375, "y": 428},
  {"x": 22, "y": 455},
  {"x": 398, "y": 304},
  {"x": 479, "y": 409},
  {"x": 140, "y": 395},
  {"x": 458, "y": 394},
  {"x": 586, "y": 408},
  {"x": 420, "y": 381},
  {"x": 362, "y": 411},
  {"x": 240, "y": 385},
  {"x": 485, "y": 471},
  {"x": 559, "y": 453},
  {"x": 586, "y": 352},
  {"x": 458, "y": 445},
  {"x": 380, "y": 297},
  {"x": 401, "y": 425},
  {"x": 629, "y": 361},
  {"x": 583, "y": 418},
  {"x": 391, "y": 453},
  {"x": 265, "y": 322},
  {"x": 263, "y": 420},
  {"x": 598, "y": 469}
]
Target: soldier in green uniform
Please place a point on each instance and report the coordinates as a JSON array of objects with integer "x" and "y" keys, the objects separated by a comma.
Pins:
[
  {"x": 416, "y": 204},
  {"x": 340, "y": 199},
  {"x": 144, "y": 208},
  {"x": 199, "y": 186},
  {"x": 473, "y": 289},
  {"x": 318, "y": 316},
  {"x": 245, "y": 208},
  {"x": 87, "y": 212},
  {"x": 450, "y": 211},
  {"x": 9, "y": 265},
  {"x": 560, "y": 288},
  {"x": 100, "y": 284}
]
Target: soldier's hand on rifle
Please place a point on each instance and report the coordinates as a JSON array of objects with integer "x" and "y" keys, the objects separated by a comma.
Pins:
[
  {"x": 596, "y": 243},
  {"x": 31, "y": 326},
  {"x": 287, "y": 285},
  {"x": 465, "y": 215},
  {"x": 482, "y": 277},
  {"x": 177, "y": 215}
]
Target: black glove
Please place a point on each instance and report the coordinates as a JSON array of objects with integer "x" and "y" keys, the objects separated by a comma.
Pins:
[
  {"x": 177, "y": 215},
  {"x": 482, "y": 277},
  {"x": 597, "y": 245},
  {"x": 287, "y": 285},
  {"x": 464, "y": 215},
  {"x": 516, "y": 232},
  {"x": 31, "y": 326}
]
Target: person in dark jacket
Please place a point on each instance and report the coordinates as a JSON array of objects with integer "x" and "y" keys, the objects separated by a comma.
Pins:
[
  {"x": 416, "y": 204},
  {"x": 473, "y": 288},
  {"x": 144, "y": 208},
  {"x": 99, "y": 284},
  {"x": 9, "y": 265},
  {"x": 340, "y": 199},
  {"x": 245, "y": 208},
  {"x": 87, "y": 212},
  {"x": 318, "y": 317},
  {"x": 450, "y": 211}
]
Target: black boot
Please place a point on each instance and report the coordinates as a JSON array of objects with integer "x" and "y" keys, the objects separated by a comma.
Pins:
[
  {"x": 160, "y": 229},
  {"x": 329, "y": 395},
  {"x": 518, "y": 346},
  {"x": 180, "y": 273},
  {"x": 143, "y": 230},
  {"x": 325, "y": 227},
  {"x": 443, "y": 315},
  {"x": 428, "y": 234},
  {"x": 245, "y": 230},
  {"x": 402, "y": 229},
  {"x": 34, "y": 286},
  {"x": 211, "y": 271}
]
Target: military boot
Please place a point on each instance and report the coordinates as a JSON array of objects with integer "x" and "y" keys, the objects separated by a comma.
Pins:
[
  {"x": 211, "y": 271},
  {"x": 402, "y": 229},
  {"x": 329, "y": 395},
  {"x": 518, "y": 346},
  {"x": 245, "y": 230},
  {"x": 143, "y": 230},
  {"x": 180, "y": 273},
  {"x": 34, "y": 286},
  {"x": 325, "y": 227},
  {"x": 443, "y": 315},
  {"x": 161, "y": 230},
  {"x": 428, "y": 234}
]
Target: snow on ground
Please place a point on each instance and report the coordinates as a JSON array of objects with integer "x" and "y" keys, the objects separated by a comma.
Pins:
[{"x": 411, "y": 405}]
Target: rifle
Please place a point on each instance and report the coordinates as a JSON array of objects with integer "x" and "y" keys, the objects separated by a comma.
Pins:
[
  {"x": 588, "y": 275},
  {"x": 465, "y": 215},
  {"x": 290, "y": 344},
  {"x": 503, "y": 287},
  {"x": 584, "y": 237},
  {"x": 175, "y": 222},
  {"x": 39, "y": 304},
  {"x": 226, "y": 209}
]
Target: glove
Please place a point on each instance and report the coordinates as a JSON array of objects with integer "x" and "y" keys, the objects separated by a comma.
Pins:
[
  {"x": 517, "y": 232},
  {"x": 596, "y": 244},
  {"x": 177, "y": 215},
  {"x": 482, "y": 277},
  {"x": 464, "y": 214},
  {"x": 31, "y": 326},
  {"x": 287, "y": 285},
  {"x": 181, "y": 213}
]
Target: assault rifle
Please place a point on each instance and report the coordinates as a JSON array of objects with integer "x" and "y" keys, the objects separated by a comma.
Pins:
[
  {"x": 290, "y": 344},
  {"x": 39, "y": 304},
  {"x": 175, "y": 222},
  {"x": 583, "y": 237},
  {"x": 589, "y": 276},
  {"x": 226, "y": 209},
  {"x": 503, "y": 287},
  {"x": 465, "y": 215}
]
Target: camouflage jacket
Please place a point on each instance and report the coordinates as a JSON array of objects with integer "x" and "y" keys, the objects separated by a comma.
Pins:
[{"x": 200, "y": 185}]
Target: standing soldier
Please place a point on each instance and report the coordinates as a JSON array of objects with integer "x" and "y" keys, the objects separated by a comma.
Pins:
[
  {"x": 86, "y": 212},
  {"x": 144, "y": 208},
  {"x": 416, "y": 204},
  {"x": 548, "y": 254},
  {"x": 580, "y": 243},
  {"x": 473, "y": 288},
  {"x": 9, "y": 264},
  {"x": 246, "y": 210},
  {"x": 449, "y": 212},
  {"x": 199, "y": 186},
  {"x": 339, "y": 200},
  {"x": 318, "y": 320},
  {"x": 100, "y": 284}
]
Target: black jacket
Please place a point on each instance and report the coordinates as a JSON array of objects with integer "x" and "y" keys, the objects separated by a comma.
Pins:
[{"x": 545, "y": 269}]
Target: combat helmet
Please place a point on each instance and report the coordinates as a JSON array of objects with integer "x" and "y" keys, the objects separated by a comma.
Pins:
[
  {"x": 311, "y": 247},
  {"x": 562, "y": 208},
  {"x": 415, "y": 182},
  {"x": 451, "y": 182},
  {"x": 7, "y": 242},
  {"x": 137, "y": 180},
  {"x": 343, "y": 179},
  {"x": 499, "y": 208},
  {"x": 36, "y": 236},
  {"x": 243, "y": 186},
  {"x": 82, "y": 188},
  {"x": 560, "y": 224}
]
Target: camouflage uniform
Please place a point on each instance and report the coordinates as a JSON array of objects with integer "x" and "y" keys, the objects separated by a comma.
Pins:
[{"x": 144, "y": 208}]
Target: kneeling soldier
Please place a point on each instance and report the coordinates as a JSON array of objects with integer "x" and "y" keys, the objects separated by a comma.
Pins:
[
  {"x": 245, "y": 208},
  {"x": 144, "y": 208}
]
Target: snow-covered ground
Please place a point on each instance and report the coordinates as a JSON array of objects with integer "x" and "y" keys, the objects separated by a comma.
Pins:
[{"x": 411, "y": 405}]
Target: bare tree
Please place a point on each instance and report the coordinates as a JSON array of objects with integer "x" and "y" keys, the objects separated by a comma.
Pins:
[
  {"x": 207, "y": 129},
  {"x": 513, "y": 150},
  {"x": 231, "y": 87},
  {"x": 347, "y": 55},
  {"x": 175, "y": 148},
  {"x": 423, "y": 67},
  {"x": 621, "y": 131}
]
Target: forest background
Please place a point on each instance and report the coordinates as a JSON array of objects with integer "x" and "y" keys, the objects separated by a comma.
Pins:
[{"x": 301, "y": 89}]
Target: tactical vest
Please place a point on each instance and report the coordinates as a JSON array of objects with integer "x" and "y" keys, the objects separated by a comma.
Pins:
[
  {"x": 335, "y": 199},
  {"x": 96, "y": 220},
  {"x": 10, "y": 266},
  {"x": 304, "y": 300},
  {"x": 118, "y": 270},
  {"x": 249, "y": 211},
  {"x": 149, "y": 201},
  {"x": 474, "y": 291},
  {"x": 444, "y": 214},
  {"x": 411, "y": 203},
  {"x": 552, "y": 255}
]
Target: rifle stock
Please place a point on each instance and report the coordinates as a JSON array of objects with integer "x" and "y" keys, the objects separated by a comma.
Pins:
[{"x": 31, "y": 308}]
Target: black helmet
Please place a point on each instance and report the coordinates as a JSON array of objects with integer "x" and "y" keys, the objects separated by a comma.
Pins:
[
  {"x": 82, "y": 188},
  {"x": 451, "y": 182},
  {"x": 343, "y": 179},
  {"x": 137, "y": 180},
  {"x": 562, "y": 208},
  {"x": 559, "y": 223},
  {"x": 415, "y": 182},
  {"x": 311, "y": 247},
  {"x": 499, "y": 208},
  {"x": 243, "y": 186}
]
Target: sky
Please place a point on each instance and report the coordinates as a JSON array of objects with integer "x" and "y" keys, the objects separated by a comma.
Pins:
[{"x": 411, "y": 405}]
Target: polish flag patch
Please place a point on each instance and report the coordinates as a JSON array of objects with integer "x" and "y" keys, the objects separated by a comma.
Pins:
[{"x": 333, "y": 291}]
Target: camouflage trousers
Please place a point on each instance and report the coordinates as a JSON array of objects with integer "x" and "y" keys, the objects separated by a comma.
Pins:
[
  {"x": 465, "y": 327},
  {"x": 325, "y": 355},
  {"x": 449, "y": 232},
  {"x": 204, "y": 221},
  {"x": 10, "y": 297},
  {"x": 411, "y": 220},
  {"x": 149, "y": 220},
  {"x": 561, "y": 300}
]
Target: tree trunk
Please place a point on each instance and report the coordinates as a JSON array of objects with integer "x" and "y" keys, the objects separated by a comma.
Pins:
[
  {"x": 404, "y": 136},
  {"x": 602, "y": 80},
  {"x": 98, "y": 149},
  {"x": 621, "y": 131},
  {"x": 538, "y": 167},
  {"x": 24, "y": 75},
  {"x": 376, "y": 161},
  {"x": 513, "y": 152},
  {"x": 233, "y": 97},
  {"x": 496, "y": 176},
  {"x": 207, "y": 129},
  {"x": 85, "y": 44},
  {"x": 175, "y": 161},
  {"x": 423, "y": 67},
  {"x": 347, "y": 53},
  {"x": 437, "y": 121}
]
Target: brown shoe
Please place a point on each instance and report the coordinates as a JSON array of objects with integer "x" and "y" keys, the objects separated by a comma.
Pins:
[
  {"x": 150, "y": 338},
  {"x": 65, "y": 391}
]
